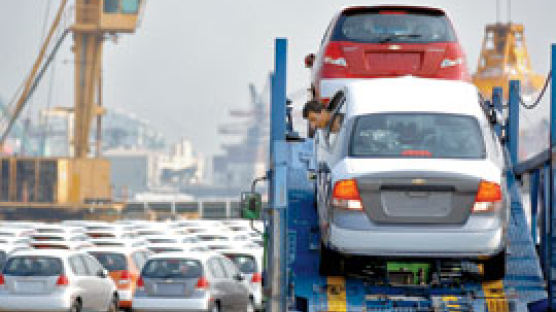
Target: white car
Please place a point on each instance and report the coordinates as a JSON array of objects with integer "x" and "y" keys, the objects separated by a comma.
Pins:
[
  {"x": 56, "y": 280},
  {"x": 250, "y": 264},
  {"x": 411, "y": 167}
]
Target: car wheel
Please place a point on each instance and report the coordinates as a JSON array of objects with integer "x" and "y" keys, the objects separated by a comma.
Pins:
[
  {"x": 250, "y": 306},
  {"x": 330, "y": 262},
  {"x": 114, "y": 304},
  {"x": 495, "y": 267},
  {"x": 215, "y": 307},
  {"x": 76, "y": 306}
]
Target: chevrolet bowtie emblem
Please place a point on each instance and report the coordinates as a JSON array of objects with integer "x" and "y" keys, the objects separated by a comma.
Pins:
[{"x": 418, "y": 181}]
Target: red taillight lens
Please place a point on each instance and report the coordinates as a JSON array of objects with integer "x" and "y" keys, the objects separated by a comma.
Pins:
[
  {"x": 488, "y": 192},
  {"x": 257, "y": 278},
  {"x": 202, "y": 283},
  {"x": 488, "y": 198},
  {"x": 346, "y": 195},
  {"x": 2, "y": 282},
  {"x": 140, "y": 283},
  {"x": 334, "y": 62},
  {"x": 125, "y": 275},
  {"x": 62, "y": 281}
]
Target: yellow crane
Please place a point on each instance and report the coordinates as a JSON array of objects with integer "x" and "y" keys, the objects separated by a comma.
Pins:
[
  {"x": 78, "y": 180},
  {"x": 504, "y": 57}
]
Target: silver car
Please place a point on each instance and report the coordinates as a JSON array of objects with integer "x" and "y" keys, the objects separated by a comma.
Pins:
[
  {"x": 191, "y": 282},
  {"x": 56, "y": 280},
  {"x": 410, "y": 167}
]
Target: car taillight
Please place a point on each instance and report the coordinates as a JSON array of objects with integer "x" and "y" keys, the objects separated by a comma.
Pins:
[
  {"x": 488, "y": 198},
  {"x": 346, "y": 195},
  {"x": 334, "y": 62},
  {"x": 62, "y": 281},
  {"x": 124, "y": 279},
  {"x": 140, "y": 283},
  {"x": 416, "y": 153},
  {"x": 2, "y": 281},
  {"x": 202, "y": 283},
  {"x": 257, "y": 278}
]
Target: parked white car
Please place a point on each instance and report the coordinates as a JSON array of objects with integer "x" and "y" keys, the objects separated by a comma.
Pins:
[{"x": 56, "y": 280}]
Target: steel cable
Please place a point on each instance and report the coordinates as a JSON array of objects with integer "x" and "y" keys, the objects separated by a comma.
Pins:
[{"x": 541, "y": 94}]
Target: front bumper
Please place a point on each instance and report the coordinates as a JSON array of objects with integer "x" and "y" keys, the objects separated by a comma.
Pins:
[
  {"x": 46, "y": 303},
  {"x": 153, "y": 304},
  {"x": 427, "y": 244}
]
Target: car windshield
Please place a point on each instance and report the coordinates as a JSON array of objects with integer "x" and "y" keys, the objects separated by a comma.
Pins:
[
  {"x": 33, "y": 266},
  {"x": 394, "y": 26},
  {"x": 246, "y": 264},
  {"x": 172, "y": 268},
  {"x": 111, "y": 261},
  {"x": 417, "y": 135}
]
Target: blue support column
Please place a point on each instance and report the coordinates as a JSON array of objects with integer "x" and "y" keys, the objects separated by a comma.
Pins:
[
  {"x": 534, "y": 180},
  {"x": 513, "y": 121},
  {"x": 550, "y": 205},
  {"x": 276, "y": 268},
  {"x": 497, "y": 95}
]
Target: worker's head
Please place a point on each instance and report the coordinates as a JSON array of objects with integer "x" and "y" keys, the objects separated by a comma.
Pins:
[{"x": 316, "y": 114}]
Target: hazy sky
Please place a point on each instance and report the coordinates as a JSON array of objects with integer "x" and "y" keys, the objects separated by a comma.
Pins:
[{"x": 191, "y": 61}]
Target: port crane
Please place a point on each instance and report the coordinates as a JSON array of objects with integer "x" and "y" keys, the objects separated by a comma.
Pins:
[{"x": 79, "y": 180}]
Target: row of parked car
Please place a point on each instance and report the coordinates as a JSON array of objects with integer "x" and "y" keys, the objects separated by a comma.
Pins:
[{"x": 185, "y": 265}]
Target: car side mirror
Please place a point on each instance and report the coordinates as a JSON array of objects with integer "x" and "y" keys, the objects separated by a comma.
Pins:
[
  {"x": 102, "y": 273},
  {"x": 239, "y": 277},
  {"x": 309, "y": 60},
  {"x": 251, "y": 205}
]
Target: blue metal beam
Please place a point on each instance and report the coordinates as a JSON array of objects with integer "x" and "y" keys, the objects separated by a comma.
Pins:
[
  {"x": 513, "y": 121},
  {"x": 276, "y": 268},
  {"x": 497, "y": 94}
]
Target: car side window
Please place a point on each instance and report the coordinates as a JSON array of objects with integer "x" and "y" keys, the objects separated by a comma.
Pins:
[
  {"x": 215, "y": 268},
  {"x": 230, "y": 268},
  {"x": 78, "y": 266},
  {"x": 336, "y": 122},
  {"x": 92, "y": 265}
]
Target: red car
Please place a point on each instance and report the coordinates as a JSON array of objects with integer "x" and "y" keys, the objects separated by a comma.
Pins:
[{"x": 386, "y": 41}]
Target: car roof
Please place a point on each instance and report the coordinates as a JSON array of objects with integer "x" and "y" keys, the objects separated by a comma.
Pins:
[
  {"x": 61, "y": 253},
  {"x": 114, "y": 249},
  {"x": 202, "y": 256},
  {"x": 384, "y": 95},
  {"x": 423, "y": 9}
]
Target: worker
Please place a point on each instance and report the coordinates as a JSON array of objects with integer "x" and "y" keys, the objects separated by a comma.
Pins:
[{"x": 317, "y": 115}]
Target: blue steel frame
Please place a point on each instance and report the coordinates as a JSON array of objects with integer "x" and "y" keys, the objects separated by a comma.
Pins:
[
  {"x": 540, "y": 169},
  {"x": 275, "y": 275}
]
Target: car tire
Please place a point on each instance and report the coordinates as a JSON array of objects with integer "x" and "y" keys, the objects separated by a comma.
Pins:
[
  {"x": 250, "y": 306},
  {"x": 330, "y": 262},
  {"x": 75, "y": 306},
  {"x": 114, "y": 304},
  {"x": 215, "y": 307},
  {"x": 494, "y": 268}
]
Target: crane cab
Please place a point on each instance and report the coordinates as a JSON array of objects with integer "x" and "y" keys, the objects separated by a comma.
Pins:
[{"x": 112, "y": 16}]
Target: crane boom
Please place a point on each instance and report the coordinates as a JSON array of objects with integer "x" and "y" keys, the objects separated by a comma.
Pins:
[{"x": 29, "y": 82}]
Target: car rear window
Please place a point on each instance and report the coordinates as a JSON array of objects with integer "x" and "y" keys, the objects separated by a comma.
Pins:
[
  {"x": 48, "y": 238},
  {"x": 245, "y": 263},
  {"x": 396, "y": 25},
  {"x": 172, "y": 268},
  {"x": 111, "y": 261},
  {"x": 417, "y": 135},
  {"x": 2, "y": 258},
  {"x": 33, "y": 266}
]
